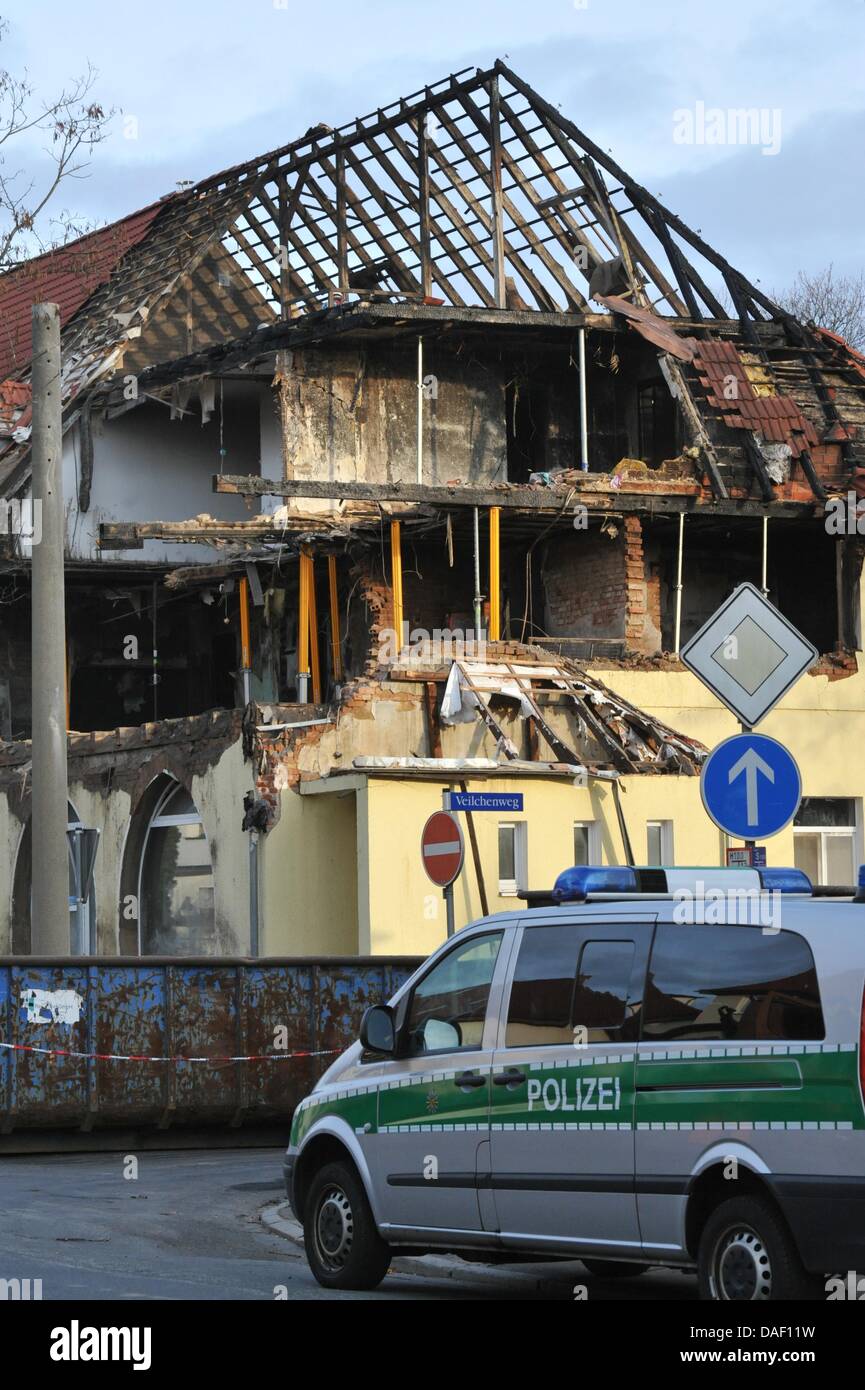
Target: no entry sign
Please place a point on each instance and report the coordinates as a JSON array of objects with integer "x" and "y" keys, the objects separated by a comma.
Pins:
[{"x": 441, "y": 847}]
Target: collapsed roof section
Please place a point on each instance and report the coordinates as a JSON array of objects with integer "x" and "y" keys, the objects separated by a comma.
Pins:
[
  {"x": 628, "y": 739},
  {"x": 473, "y": 194}
]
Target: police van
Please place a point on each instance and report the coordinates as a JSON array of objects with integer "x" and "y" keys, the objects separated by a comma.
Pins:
[{"x": 641, "y": 1067}]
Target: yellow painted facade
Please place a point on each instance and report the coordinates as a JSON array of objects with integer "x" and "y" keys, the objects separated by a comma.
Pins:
[{"x": 821, "y": 721}]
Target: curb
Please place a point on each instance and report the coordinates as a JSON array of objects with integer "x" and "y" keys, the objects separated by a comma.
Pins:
[{"x": 278, "y": 1217}]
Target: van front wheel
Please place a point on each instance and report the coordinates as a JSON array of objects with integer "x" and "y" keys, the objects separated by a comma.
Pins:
[
  {"x": 343, "y": 1247},
  {"x": 747, "y": 1254}
]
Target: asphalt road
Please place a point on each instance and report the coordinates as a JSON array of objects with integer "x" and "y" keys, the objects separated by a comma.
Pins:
[{"x": 189, "y": 1226}]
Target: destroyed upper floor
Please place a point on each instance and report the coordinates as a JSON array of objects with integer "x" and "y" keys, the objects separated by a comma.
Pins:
[
  {"x": 470, "y": 212},
  {"x": 457, "y": 302}
]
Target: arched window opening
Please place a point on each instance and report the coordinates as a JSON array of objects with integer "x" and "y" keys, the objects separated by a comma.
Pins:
[
  {"x": 82, "y": 916},
  {"x": 176, "y": 879}
]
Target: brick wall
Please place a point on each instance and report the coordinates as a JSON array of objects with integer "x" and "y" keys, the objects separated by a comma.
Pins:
[
  {"x": 600, "y": 586},
  {"x": 584, "y": 583}
]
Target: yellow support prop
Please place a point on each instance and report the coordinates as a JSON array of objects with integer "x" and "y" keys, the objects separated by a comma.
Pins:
[
  {"x": 396, "y": 580},
  {"x": 313, "y": 635},
  {"x": 245, "y": 658},
  {"x": 335, "y": 641},
  {"x": 495, "y": 577},
  {"x": 303, "y": 616}
]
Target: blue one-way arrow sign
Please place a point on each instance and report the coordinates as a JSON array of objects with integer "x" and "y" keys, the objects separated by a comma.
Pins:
[{"x": 751, "y": 786}]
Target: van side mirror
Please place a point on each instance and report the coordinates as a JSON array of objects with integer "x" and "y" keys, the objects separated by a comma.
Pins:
[{"x": 377, "y": 1029}]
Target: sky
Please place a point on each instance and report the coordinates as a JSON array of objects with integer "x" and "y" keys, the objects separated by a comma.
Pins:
[{"x": 199, "y": 86}]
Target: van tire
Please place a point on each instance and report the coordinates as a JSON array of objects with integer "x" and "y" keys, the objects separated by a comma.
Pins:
[
  {"x": 343, "y": 1246},
  {"x": 614, "y": 1269},
  {"x": 746, "y": 1253}
]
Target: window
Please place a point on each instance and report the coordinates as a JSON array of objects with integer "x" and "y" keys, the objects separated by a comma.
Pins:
[
  {"x": 176, "y": 887},
  {"x": 659, "y": 842},
  {"x": 513, "y": 871},
  {"x": 587, "y": 849},
  {"x": 558, "y": 987},
  {"x": 449, "y": 1005},
  {"x": 539, "y": 1013},
  {"x": 601, "y": 994},
  {"x": 730, "y": 983},
  {"x": 824, "y": 839},
  {"x": 82, "y": 916}
]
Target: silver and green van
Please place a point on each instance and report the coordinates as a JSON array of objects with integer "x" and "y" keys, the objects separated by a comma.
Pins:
[{"x": 640, "y": 1067}]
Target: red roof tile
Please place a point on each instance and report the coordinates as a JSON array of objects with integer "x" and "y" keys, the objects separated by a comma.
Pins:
[
  {"x": 777, "y": 418},
  {"x": 67, "y": 277},
  {"x": 856, "y": 359}
]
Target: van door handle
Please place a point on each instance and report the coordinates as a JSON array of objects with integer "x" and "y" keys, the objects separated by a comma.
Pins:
[
  {"x": 469, "y": 1080},
  {"x": 512, "y": 1077}
]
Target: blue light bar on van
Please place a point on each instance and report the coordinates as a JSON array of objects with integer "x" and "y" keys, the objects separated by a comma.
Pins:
[
  {"x": 860, "y": 891},
  {"x": 574, "y": 885},
  {"x": 785, "y": 881}
]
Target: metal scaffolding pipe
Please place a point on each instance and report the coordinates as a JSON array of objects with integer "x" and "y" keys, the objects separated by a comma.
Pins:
[
  {"x": 477, "y": 599},
  {"x": 678, "y": 631},
  {"x": 584, "y": 421},
  {"x": 420, "y": 409}
]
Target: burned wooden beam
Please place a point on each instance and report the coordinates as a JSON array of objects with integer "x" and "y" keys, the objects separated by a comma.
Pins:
[
  {"x": 424, "y": 242},
  {"x": 496, "y": 199},
  {"x": 524, "y": 499},
  {"x": 131, "y": 535}
]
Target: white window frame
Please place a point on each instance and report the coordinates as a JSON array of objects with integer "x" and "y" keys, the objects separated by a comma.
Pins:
[
  {"x": 509, "y": 887},
  {"x": 594, "y": 838},
  {"x": 82, "y": 916},
  {"x": 853, "y": 832},
  {"x": 668, "y": 852}
]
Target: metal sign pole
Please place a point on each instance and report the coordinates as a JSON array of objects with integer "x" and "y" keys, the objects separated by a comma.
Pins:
[
  {"x": 749, "y": 844},
  {"x": 449, "y": 907}
]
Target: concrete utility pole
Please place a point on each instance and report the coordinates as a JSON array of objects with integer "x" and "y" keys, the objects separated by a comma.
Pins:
[{"x": 50, "y": 891}]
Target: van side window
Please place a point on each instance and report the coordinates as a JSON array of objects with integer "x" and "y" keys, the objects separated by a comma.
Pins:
[
  {"x": 539, "y": 1013},
  {"x": 562, "y": 982},
  {"x": 449, "y": 1005},
  {"x": 601, "y": 995},
  {"x": 729, "y": 984}
]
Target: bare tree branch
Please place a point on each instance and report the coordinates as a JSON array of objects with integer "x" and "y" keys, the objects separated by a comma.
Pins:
[
  {"x": 74, "y": 125},
  {"x": 827, "y": 300}
]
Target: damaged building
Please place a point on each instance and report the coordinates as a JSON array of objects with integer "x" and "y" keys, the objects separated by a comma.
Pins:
[{"x": 402, "y": 459}]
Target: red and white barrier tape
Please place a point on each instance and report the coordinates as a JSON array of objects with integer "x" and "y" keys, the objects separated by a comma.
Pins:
[{"x": 136, "y": 1057}]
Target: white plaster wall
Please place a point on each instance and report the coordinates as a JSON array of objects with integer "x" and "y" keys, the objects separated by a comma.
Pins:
[
  {"x": 148, "y": 467},
  {"x": 218, "y": 794}
]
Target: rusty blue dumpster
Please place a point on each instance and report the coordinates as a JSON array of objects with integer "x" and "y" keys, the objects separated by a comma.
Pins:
[{"x": 91, "y": 1042}]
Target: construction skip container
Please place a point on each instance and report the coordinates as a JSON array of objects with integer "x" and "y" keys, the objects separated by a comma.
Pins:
[{"x": 95, "y": 1042}]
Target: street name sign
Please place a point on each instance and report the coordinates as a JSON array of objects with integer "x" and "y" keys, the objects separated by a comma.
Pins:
[
  {"x": 485, "y": 801},
  {"x": 748, "y": 654},
  {"x": 751, "y": 786}
]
